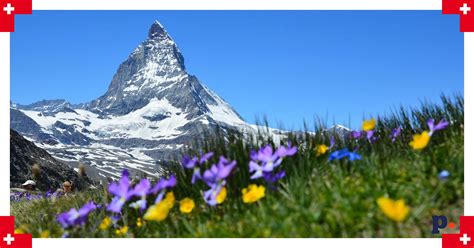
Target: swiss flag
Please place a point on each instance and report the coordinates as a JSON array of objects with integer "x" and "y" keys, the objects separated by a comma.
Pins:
[
  {"x": 464, "y": 8},
  {"x": 10, "y": 8},
  {"x": 465, "y": 238},
  {"x": 7, "y": 236}
]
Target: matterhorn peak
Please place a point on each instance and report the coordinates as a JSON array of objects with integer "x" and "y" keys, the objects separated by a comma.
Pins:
[{"x": 157, "y": 31}]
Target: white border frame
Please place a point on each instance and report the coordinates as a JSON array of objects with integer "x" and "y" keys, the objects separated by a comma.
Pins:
[{"x": 236, "y": 5}]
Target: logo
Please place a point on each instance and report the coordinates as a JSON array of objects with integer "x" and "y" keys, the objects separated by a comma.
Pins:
[
  {"x": 465, "y": 237},
  {"x": 10, "y": 8},
  {"x": 8, "y": 238},
  {"x": 441, "y": 222},
  {"x": 463, "y": 8}
]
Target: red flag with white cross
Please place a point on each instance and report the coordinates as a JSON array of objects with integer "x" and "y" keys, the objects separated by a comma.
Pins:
[
  {"x": 464, "y": 8},
  {"x": 10, "y": 8},
  {"x": 465, "y": 238},
  {"x": 8, "y": 238}
]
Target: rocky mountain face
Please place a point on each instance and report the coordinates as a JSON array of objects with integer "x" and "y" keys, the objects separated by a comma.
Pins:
[
  {"x": 24, "y": 154},
  {"x": 151, "y": 109}
]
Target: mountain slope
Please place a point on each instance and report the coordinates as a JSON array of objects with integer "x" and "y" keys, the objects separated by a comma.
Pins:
[{"x": 24, "y": 154}]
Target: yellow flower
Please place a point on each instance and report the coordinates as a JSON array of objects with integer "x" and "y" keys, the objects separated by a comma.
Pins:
[
  {"x": 321, "y": 149},
  {"x": 170, "y": 199},
  {"x": 395, "y": 210},
  {"x": 44, "y": 234},
  {"x": 368, "y": 125},
  {"x": 420, "y": 141},
  {"x": 157, "y": 212},
  {"x": 220, "y": 198},
  {"x": 186, "y": 205},
  {"x": 22, "y": 229},
  {"x": 139, "y": 222},
  {"x": 105, "y": 223},
  {"x": 253, "y": 193},
  {"x": 122, "y": 231}
]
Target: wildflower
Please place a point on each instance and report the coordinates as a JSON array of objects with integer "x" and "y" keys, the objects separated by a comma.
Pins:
[
  {"x": 356, "y": 134},
  {"x": 420, "y": 141},
  {"x": 161, "y": 187},
  {"x": 170, "y": 199},
  {"x": 395, "y": 210},
  {"x": 122, "y": 231},
  {"x": 211, "y": 195},
  {"x": 371, "y": 136},
  {"x": 268, "y": 159},
  {"x": 340, "y": 154},
  {"x": 193, "y": 163},
  {"x": 76, "y": 217},
  {"x": 160, "y": 210},
  {"x": 141, "y": 190},
  {"x": 289, "y": 150},
  {"x": 272, "y": 178},
  {"x": 139, "y": 222},
  {"x": 368, "y": 125},
  {"x": 44, "y": 234},
  {"x": 22, "y": 229},
  {"x": 220, "y": 198},
  {"x": 219, "y": 172},
  {"x": 253, "y": 193},
  {"x": 321, "y": 149},
  {"x": 121, "y": 191},
  {"x": 442, "y": 124},
  {"x": 395, "y": 133},
  {"x": 215, "y": 178},
  {"x": 105, "y": 224},
  {"x": 443, "y": 175},
  {"x": 332, "y": 142},
  {"x": 186, "y": 205}
]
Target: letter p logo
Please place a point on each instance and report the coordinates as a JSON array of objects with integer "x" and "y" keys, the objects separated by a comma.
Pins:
[{"x": 437, "y": 225}]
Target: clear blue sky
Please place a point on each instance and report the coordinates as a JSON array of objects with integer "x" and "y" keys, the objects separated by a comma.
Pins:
[{"x": 288, "y": 65}]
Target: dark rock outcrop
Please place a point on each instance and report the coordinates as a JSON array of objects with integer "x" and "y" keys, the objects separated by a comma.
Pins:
[{"x": 24, "y": 155}]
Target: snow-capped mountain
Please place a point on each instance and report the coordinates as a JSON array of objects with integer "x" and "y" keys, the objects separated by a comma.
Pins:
[{"x": 150, "y": 110}]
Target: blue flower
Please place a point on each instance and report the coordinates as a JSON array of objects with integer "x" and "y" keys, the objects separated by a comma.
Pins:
[
  {"x": 443, "y": 175},
  {"x": 340, "y": 154}
]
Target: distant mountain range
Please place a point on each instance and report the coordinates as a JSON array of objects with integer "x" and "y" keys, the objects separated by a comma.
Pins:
[{"x": 150, "y": 110}]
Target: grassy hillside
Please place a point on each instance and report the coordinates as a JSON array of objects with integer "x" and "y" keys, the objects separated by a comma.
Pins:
[{"x": 323, "y": 192}]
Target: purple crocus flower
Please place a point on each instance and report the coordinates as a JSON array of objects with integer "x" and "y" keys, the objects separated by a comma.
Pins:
[
  {"x": 141, "y": 190},
  {"x": 76, "y": 217},
  {"x": 340, "y": 154},
  {"x": 161, "y": 187},
  {"x": 211, "y": 194},
  {"x": 219, "y": 172},
  {"x": 289, "y": 150},
  {"x": 332, "y": 142},
  {"x": 189, "y": 163},
  {"x": 121, "y": 191},
  {"x": 396, "y": 132},
  {"x": 204, "y": 158},
  {"x": 371, "y": 136},
  {"x": 194, "y": 163},
  {"x": 265, "y": 160},
  {"x": 442, "y": 124},
  {"x": 357, "y": 134},
  {"x": 273, "y": 178}
]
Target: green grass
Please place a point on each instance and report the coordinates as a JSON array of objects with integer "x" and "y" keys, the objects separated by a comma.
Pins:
[{"x": 317, "y": 198}]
